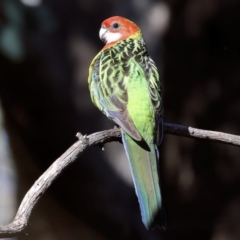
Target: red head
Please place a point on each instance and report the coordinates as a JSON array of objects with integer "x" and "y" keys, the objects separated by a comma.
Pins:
[{"x": 117, "y": 28}]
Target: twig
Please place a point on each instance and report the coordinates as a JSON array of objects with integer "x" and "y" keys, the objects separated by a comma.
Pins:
[
  {"x": 191, "y": 132},
  {"x": 41, "y": 185}
]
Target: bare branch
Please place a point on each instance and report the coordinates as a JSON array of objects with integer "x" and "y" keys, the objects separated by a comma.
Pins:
[
  {"x": 41, "y": 185},
  {"x": 191, "y": 132}
]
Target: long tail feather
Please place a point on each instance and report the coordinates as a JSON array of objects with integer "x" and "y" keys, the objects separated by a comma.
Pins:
[{"x": 144, "y": 168}]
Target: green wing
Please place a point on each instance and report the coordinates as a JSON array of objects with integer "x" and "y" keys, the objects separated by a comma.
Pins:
[
  {"x": 110, "y": 73},
  {"x": 155, "y": 89}
]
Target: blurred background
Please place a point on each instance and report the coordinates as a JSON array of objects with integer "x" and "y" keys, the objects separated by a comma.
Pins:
[{"x": 46, "y": 47}]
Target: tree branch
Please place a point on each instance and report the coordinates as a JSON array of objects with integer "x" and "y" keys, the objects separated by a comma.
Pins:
[
  {"x": 191, "y": 132},
  {"x": 41, "y": 185}
]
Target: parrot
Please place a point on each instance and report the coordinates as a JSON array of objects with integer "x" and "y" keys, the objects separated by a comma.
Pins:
[{"x": 124, "y": 85}]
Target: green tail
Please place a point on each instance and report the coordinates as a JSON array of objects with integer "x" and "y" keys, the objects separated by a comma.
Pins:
[{"x": 144, "y": 168}]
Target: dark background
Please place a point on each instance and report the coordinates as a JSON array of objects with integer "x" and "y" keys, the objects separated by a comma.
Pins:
[{"x": 45, "y": 52}]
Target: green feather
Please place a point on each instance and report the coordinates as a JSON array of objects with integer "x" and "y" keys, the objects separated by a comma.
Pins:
[
  {"x": 144, "y": 168},
  {"x": 124, "y": 84}
]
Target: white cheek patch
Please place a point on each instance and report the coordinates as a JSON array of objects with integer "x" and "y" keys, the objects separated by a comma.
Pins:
[{"x": 112, "y": 37}]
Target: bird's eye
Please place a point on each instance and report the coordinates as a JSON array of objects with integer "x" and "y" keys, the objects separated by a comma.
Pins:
[{"x": 116, "y": 25}]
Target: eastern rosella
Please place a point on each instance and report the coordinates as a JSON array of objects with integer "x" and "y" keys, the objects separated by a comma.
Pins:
[{"x": 124, "y": 84}]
